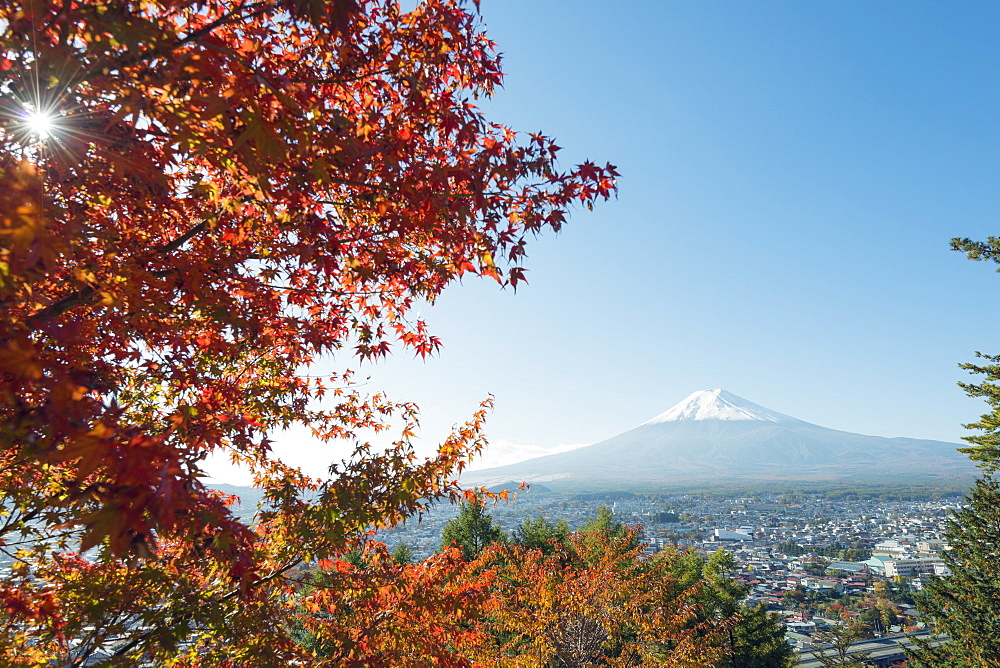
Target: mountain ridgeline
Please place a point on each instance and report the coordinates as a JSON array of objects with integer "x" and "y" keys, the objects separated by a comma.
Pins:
[{"x": 715, "y": 437}]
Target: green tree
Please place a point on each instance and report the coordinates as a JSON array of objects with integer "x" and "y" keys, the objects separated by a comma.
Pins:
[
  {"x": 814, "y": 568},
  {"x": 966, "y": 605},
  {"x": 855, "y": 554},
  {"x": 796, "y": 595},
  {"x": 790, "y": 548},
  {"x": 757, "y": 639},
  {"x": 899, "y": 592},
  {"x": 403, "y": 554},
  {"x": 472, "y": 531},
  {"x": 879, "y": 617},
  {"x": 605, "y": 524},
  {"x": 540, "y": 534},
  {"x": 356, "y": 558},
  {"x": 603, "y": 528},
  {"x": 985, "y": 447}
]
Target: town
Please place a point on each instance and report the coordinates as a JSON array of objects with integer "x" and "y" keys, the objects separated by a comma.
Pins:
[{"x": 817, "y": 561}]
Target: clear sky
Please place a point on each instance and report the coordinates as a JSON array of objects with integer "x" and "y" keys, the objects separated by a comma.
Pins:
[{"x": 792, "y": 173}]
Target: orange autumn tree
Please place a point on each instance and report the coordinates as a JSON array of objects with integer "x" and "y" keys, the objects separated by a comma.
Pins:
[
  {"x": 198, "y": 201},
  {"x": 596, "y": 601},
  {"x": 379, "y": 613}
]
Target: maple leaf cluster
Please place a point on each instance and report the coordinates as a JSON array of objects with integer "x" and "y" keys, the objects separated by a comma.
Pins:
[{"x": 225, "y": 193}]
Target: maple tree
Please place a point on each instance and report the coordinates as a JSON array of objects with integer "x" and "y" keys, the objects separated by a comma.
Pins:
[
  {"x": 383, "y": 613},
  {"x": 594, "y": 601},
  {"x": 198, "y": 201}
]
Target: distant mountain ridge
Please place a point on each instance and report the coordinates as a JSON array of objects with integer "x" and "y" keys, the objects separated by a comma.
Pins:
[{"x": 714, "y": 436}]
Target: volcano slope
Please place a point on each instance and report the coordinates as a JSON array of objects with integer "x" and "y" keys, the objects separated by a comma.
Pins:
[{"x": 714, "y": 437}]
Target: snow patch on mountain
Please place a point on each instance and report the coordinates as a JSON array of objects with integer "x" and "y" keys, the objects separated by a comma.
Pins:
[{"x": 718, "y": 405}]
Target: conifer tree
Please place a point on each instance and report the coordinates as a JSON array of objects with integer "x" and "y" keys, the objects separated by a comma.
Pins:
[
  {"x": 472, "y": 531},
  {"x": 403, "y": 554},
  {"x": 540, "y": 534},
  {"x": 756, "y": 641},
  {"x": 757, "y": 638},
  {"x": 985, "y": 448},
  {"x": 604, "y": 524},
  {"x": 965, "y": 606}
]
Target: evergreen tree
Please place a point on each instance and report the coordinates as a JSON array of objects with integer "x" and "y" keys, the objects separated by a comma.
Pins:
[
  {"x": 355, "y": 557},
  {"x": 403, "y": 554},
  {"x": 605, "y": 524},
  {"x": 966, "y": 605},
  {"x": 985, "y": 448},
  {"x": 602, "y": 528},
  {"x": 472, "y": 531},
  {"x": 757, "y": 640},
  {"x": 540, "y": 534}
]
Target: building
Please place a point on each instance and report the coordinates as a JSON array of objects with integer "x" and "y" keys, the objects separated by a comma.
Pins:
[
  {"x": 847, "y": 566},
  {"x": 727, "y": 535},
  {"x": 877, "y": 564},
  {"x": 908, "y": 568},
  {"x": 931, "y": 548}
]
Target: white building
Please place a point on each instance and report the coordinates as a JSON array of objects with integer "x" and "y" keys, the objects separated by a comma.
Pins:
[
  {"x": 941, "y": 569},
  {"x": 909, "y": 568}
]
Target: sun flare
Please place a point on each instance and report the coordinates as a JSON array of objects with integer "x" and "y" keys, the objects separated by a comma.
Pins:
[{"x": 40, "y": 123}]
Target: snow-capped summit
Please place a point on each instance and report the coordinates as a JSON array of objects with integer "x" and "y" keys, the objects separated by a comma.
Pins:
[{"x": 718, "y": 405}]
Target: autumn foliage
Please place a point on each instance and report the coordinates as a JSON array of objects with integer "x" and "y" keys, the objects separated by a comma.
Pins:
[
  {"x": 383, "y": 614},
  {"x": 227, "y": 193},
  {"x": 596, "y": 601}
]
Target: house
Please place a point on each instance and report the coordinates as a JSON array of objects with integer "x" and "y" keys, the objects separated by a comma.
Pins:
[{"x": 823, "y": 585}]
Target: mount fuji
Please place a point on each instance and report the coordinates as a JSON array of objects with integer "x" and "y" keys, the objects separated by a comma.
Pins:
[{"x": 716, "y": 437}]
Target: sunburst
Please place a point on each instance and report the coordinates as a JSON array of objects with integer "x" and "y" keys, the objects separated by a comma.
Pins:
[
  {"x": 38, "y": 112},
  {"x": 39, "y": 124}
]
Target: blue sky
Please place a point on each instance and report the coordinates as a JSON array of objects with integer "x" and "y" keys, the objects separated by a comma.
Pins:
[{"x": 792, "y": 173}]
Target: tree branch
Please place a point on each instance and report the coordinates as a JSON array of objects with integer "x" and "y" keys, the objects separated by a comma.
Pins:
[
  {"x": 86, "y": 295},
  {"x": 125, "y": 649}
]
